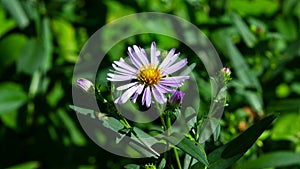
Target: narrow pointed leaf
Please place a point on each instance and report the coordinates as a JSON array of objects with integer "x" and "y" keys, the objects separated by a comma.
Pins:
[
  {"x": 189, "y": 147},
  {"x": 225, "y": 156}
]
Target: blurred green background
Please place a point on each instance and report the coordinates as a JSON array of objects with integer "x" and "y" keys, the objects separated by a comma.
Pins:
[{"x": 39, "y": 45}]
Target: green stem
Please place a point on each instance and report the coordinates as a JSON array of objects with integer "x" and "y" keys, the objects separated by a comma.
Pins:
[
  {"x": 177, "y": 157},
  {"x": 169, "y": 125}
]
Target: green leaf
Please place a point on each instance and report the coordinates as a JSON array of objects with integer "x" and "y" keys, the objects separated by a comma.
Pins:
[
  {"x": 246, "y": 78},
  {"x": 15, "y": 9},
  {"x": 190, "y": 147},
  {"x": 6, "y": 24},
  {"x": 162, "y": 164},
  {"x": 132, "y": 166},
  {"x": 87, "y": 167},
  {"x": 253, "y": 7},
  {"x": 112, "y": 124},
  {"x": 288, "y": 6},
  {"x": 225, "y": 156},
  {"x": 146, "y": 140},
  {"x": 65, "y": 35},
  {"x": 284, "y": 105},
  {"x": 244, "y": 30},
  {"x": 55, "y": 95},
  {"x": 273, "y": 159},
  {"x": 243, "y": 142},
  {"x": 10, "y": 119},
  {"x": 83, "y": 111},
  {"x": 188, "y": 70},
  {"x": 75, "y": 134},
  {"x": 241, "y": 66},
  {"x": 38, "y": 52},
  {"x": 27, "y": 165},
  {"x": 285, "y": 130},
  {"x": 12, "y": 97},
  {"x": 287, "y": 27},
  {"x": 11, "y": 48}
]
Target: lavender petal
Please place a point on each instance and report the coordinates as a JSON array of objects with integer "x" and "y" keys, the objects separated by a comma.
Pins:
[
  {"x": 154, "y": 59},
  {"x": 141, "y": 56},
  {"x": 126, "y": 86},
  {"x": 167, "y": 59},
  {"x": 127, "y": 94},
  {"x": 176, "y": 66},
  {"x": 134, "y": 58},
  {"x": 159, "y": 97}
]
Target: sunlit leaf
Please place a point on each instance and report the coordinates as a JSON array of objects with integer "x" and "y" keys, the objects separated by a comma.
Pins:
[
  {"x": 6, "y": 24},
  {"x": 253, "y": 7},
  {"x": 284, "y": 129},
  {"x": 27, "y": 165},
  {"x": 65, "y": 35}
]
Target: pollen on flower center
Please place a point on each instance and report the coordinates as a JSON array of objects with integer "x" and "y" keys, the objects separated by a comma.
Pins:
[{"x": 149, "y": 76}]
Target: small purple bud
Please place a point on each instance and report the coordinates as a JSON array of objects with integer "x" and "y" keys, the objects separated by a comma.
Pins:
[
  {"x": 85, "y": 85},
  {"x": 176, "y": 98},
  {"x": 226, "y": 70},
  {"x": 227, "y": 73}
]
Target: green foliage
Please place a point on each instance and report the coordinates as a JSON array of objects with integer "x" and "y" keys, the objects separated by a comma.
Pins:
[
  {"x": 274, "y": 159},
  {"x": 196, "y": 151},
  {"x": 40, "y": 42}
]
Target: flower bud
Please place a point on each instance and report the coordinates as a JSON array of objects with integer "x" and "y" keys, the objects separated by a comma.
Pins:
[
  {"x": 227, "y": 72},
  {"x": 86, "y": 85},
  {"x": 176, "y": 98}
]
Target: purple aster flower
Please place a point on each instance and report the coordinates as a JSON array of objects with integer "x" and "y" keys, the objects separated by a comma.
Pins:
[
  {"x": 147, "y": 77},
  {"x": 85, "y": 85},
  {"x": 176, "y": 98}
]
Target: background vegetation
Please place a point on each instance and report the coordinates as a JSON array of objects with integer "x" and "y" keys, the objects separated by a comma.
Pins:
[{"x": 39, "y": 45}]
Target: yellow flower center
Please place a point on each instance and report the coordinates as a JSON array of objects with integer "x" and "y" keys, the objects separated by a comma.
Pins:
[{"x": 149, "y": 76}]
